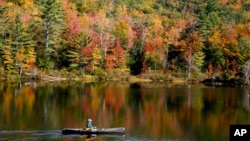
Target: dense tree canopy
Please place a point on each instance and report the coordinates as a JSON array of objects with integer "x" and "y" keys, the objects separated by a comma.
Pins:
[{"x": 186, "y": 36}]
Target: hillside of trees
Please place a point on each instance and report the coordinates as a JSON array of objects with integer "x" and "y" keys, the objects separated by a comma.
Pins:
[{"x": 93, "y": 36}]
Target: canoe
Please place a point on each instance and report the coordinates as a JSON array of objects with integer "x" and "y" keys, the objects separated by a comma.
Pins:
[{"x": 67, "y": 131}]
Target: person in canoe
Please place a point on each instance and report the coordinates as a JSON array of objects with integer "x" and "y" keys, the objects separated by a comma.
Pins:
[{"x": 89, "y": 124}]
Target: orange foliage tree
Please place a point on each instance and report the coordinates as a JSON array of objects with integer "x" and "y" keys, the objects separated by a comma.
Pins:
[{"x": 230, "y": 49}]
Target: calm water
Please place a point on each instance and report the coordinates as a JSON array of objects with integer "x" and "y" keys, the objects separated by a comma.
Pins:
[{"x": 148, "y": 111}]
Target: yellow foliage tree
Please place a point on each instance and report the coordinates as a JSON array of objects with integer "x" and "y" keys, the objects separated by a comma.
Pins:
[
  {"x": 19, "y": 58},
  {"x": 30, "y": 58},
  {"x": 8, "y": 59},
  {"x": 96, "y": 55},
  {"x": 20, "y": 55},
  {"x": 215, "y": 40}
]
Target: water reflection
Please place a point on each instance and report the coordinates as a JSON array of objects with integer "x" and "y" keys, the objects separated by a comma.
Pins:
[
  {"x": 247, "y": 99},
  {"x": 30, "y": 134},
  {"x": 146, "y": 110}
]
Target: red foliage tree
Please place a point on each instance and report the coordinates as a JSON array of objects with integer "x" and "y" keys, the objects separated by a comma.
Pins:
[
  {"x": 218, "y": 68},
  {"x": 120, "y": 55},
  {"x": 227, "y": 63},
  {"x": 26, "y": 17},
  {"x": 144, "y": 67},
  {"x": 148, "y": 47},
  {"x": 210, "y": 69},
  {"x": 73, "y": 21},
  {"x": 86, "y": 52},
  {"x": 110, "y": 58},
  {"x": 3, "y": 3},
  {"x": 234, "y": 67},
  {"x": 110, "y": 61}
]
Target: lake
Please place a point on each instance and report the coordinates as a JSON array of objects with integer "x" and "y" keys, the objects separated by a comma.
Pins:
[{"x": 148, "y": 111}]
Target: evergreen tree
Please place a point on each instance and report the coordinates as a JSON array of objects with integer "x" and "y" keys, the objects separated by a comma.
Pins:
[
  {"x": 135, "y": 59},
  {"x": 74, "y": 51},
  {"x": 29, "y": 58},
  {"x": 19, "y": 58},
  {"x": 96, "y": 55},
  {"x": 20, "y": 34},
  {"x": 21, "y": 43},
  {"x": 198, "y": 60},
  {"x": 52, "y": 26},
  {"x": 208, "y": 17},
  {"x": 244, "y": 46},
  {"x": 4, "y": 29}
]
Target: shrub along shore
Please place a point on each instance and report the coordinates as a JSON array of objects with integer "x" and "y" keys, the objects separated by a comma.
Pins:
[{"x": 124, "y": 75}]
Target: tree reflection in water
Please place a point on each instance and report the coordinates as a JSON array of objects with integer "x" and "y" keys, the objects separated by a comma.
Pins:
[{"x": 146, "y": 110}]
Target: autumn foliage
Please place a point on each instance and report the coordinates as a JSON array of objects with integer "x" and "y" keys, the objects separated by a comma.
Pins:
[{"x": 167, "y": 35}]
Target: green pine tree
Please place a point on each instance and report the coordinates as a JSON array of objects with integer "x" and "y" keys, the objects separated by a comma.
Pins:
[
  {"x": 244, "y": 46},
  {"x": 4, "y": 29},
  {"x": 21, "y": 42},
  {"x": 96, "y": 55},
  {"x": 52, "y": 26},
  {"x": 198, "y": 60},
  {"x": 135, "y": 59},
  {"x": 74, "y": 50}
]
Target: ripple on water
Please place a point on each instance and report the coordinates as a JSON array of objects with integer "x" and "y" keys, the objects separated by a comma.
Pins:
[{"x": 29, "y": 134}]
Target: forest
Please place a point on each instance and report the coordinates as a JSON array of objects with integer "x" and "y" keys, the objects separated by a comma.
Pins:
[{"x": 92, "y": 36}]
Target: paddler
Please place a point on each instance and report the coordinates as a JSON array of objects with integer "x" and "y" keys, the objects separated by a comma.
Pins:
[{"x": 89, "y": 124}]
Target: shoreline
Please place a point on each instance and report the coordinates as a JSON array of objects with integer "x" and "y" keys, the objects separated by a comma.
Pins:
[{"x": 124, "y": 76}]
